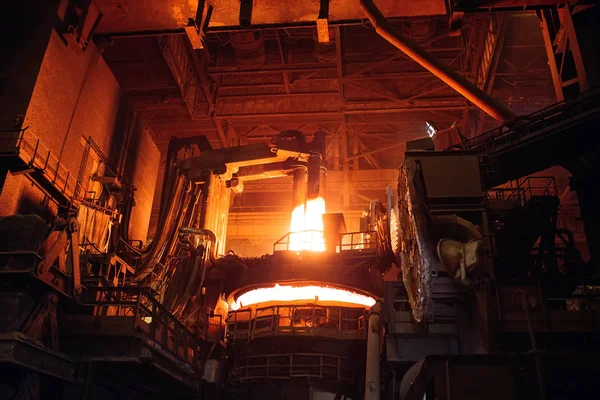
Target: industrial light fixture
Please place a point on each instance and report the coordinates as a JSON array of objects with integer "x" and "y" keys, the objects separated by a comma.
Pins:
[
  {"x": 431, "y": 128},
  {"x": 322, "y": 23}
]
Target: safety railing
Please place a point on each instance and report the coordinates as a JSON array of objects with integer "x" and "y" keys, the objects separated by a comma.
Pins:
[
  {"x": 538, "y": 186},
  {"x": 96, "y": 267},
  {"x": 524, "y": 190},
  {"x": 151, "y": 319},
  {"x": 297, "y": 320},
  {"x": 514, "y": 196},
  {"x": 286, "y": 366},
  {"x": 347, "y": 243},
  {"x": 541, "y": 122},
  {"x": 297, "y": 241},
  {"x": 358, "y": 242},
  {"x": 37, "y": 157}
]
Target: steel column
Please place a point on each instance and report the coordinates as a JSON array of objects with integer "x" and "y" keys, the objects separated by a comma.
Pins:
[{"x": 372, "y": 375}]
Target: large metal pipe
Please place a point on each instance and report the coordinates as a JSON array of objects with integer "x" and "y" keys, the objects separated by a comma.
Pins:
[
  {"x": 436, "y": 67},
  {"x": 372, "y": 374},
  {"x": 298, "y": 186},
  {"x": 245, "y": 18},
  {"x": 313, "y": 176}
]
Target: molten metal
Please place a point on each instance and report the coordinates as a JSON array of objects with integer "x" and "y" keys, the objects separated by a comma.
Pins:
[
  {"x": 287, "y": 293},
  {"x": 306, "y": 228}
]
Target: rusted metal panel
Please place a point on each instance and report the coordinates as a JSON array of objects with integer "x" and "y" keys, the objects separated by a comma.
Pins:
[
  {"x": 416, "y": 254},
  {"x": 141, "y": 15}
]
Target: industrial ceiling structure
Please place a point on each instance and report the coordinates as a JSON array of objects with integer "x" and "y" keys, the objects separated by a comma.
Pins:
[{"x": 245, "y": 87}]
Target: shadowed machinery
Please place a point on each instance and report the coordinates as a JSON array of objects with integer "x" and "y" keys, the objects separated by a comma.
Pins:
[{"x": 323, "y": 200}]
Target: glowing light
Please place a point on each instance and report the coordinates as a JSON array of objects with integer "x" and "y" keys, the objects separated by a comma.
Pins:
[
  {"x": 306, "y": 228},
  {"x": 287, "y": 293},
  {"x": 431, "y": 129}
]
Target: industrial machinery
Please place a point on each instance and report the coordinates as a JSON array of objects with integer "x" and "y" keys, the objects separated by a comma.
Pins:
[
  {"x": 444, "y": 267},
  {"x": 183, "y": 305},
  {"x": 455, "y": 287}
]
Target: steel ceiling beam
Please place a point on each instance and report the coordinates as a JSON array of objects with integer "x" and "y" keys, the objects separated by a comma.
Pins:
[
  {"x": 335, "y": 114},
  {"x": 269, "y": 69},
  {"x": 453, "y": 79}
]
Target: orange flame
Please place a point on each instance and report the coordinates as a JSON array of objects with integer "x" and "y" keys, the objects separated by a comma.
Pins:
[
  {"x": 307, "y": 221},
  {"x": 287, "y": 293}
]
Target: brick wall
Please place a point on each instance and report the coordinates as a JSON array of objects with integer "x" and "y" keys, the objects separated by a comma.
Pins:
[{"x": 75, "y": 97}]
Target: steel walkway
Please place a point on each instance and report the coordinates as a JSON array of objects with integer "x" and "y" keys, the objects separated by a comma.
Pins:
[{"x": 551, "y": 136}]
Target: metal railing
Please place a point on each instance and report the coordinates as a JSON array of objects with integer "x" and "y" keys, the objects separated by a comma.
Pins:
[
  {"x": 538, "y": 123},
  {"x": 351, "y": 242},
  {"x": 36, "y": 156},
  {"x": 524, "y": 190},
  {"x": 297, "y": 320},
  {"x": 115, "y": 271},
  {"x": 538, "y": 186},
  {"x": 299, "y": 240},
  {"x": 286, "y": 366},
  {"x": 506, "y": 195},
  {"x": 357, "y": 242},
  {"x": 151, "y": 319}
]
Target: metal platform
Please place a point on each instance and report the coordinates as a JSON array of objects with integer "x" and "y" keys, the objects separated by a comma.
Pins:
[
  {"x": 21, "y": 351},
  {"x": 297, "y": 320},
  {"x": 126, "y": 325}
]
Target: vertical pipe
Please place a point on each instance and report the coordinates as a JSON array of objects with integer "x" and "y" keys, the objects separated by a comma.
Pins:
[
  {"x": 436, "y": 67},
  {"x": 298, "y": 187},
  {"x": 245, "y": 13},
  {"x": 314, "y": 176},
  {"x": 372, "y": 377},
  {"x": 205, "y": 201},
  {"x": 322, "y": 181}
]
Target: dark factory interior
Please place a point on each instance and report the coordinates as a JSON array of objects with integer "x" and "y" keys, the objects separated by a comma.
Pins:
[{"x": 299, "y": 199}]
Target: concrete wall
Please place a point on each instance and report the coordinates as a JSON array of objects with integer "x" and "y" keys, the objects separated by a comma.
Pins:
[{"x": 75, "y": 97}]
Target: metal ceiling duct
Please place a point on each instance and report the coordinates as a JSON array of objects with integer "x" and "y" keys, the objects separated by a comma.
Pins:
[
  {"x": 245, "y": 17},
  {"x": 436, "y": 67},
  {"x": 249, "y": 48},
  {"x": 420, "y": 31},
  {"x": 325, "y": 52}
]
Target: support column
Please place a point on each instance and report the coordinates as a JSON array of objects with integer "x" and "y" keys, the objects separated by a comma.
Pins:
[
  {"x": 345, "y": 163},
  {"x": 355, "y": 149},
  {"x": 571, "y": 37},
  {"x": 342, "y": 132},
  {"x": 372, "y": 373}
]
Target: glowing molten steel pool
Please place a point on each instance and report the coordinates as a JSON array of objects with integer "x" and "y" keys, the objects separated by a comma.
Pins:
[
  {"x": 306, "y": 228},
  {"x": 287, "y": 293}
]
